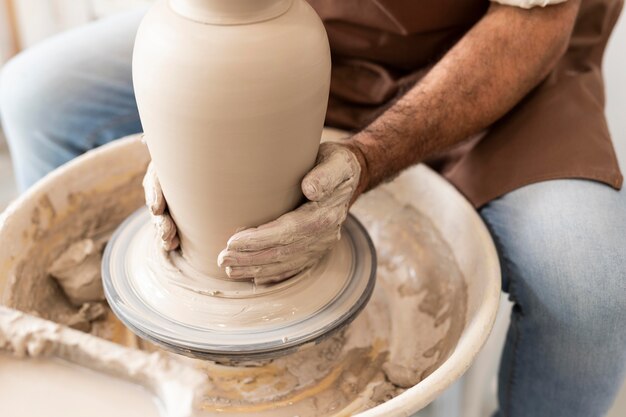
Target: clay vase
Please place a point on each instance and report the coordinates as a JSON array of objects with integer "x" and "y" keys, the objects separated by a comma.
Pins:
[{"x": 232, "y": 96}]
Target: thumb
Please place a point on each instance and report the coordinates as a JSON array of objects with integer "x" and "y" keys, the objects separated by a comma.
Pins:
[{"x": 336, "y": 165}]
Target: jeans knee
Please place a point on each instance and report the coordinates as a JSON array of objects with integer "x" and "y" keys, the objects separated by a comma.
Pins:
[
  {"x": 32, "y": 87},
  {"x": 563, "y": 244},
  {"x": 596, "y": 312},
  {"x": 11, "y": 81},
  {"x": 580, "y": 299},
  {"x": 24, "y": 90}
]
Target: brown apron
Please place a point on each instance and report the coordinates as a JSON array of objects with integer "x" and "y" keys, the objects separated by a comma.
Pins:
[{"x": 381, "y": 48}]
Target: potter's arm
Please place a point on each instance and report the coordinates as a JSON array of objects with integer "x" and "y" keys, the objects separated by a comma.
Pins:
[
  {"x": 491, "y": 69},
  {"x": 506, "y": 54}
]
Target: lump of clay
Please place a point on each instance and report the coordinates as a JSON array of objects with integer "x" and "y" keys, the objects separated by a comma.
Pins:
[
  {"x": 88, "y": 313},
  {"x": 400, "y": 375},
  {"x": 77, "y": 270},
  {"x": 80, "y": 319}
]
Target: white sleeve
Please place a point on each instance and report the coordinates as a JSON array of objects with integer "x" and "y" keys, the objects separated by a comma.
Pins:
[{"x": 529, "y": 4}]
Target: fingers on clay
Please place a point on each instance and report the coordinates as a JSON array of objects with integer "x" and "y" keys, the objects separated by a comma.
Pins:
[
  {"x": 171, "y": 244},
  {"x": 306, "y": 247},
  {"x": 153, "y": 192},
  {"x": 166, "y": 228},
  {"x": 279, "y": 232},
  {"x": 308, "y": 221},
  {"x": 272, "y": 272}
]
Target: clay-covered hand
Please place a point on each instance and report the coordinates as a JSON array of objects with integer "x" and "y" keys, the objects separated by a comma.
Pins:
[
  {"x": 165, "y": 226},
  {"x": 295, "y": 241}
]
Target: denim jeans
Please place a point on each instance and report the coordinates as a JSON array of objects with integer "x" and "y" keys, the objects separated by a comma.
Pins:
[{"x": 562, "y": 244}]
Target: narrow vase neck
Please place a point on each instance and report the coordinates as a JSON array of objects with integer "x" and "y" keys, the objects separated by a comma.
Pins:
[{"x": 230, "y": 12}]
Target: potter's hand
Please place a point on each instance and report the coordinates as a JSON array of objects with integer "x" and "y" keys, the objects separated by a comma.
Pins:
[
  {"x": 166, "y": 229},
  {"x": 295, "y": 241}
]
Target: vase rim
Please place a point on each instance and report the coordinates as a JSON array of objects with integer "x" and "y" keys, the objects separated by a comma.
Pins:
[{"x": 229, "y": 12}]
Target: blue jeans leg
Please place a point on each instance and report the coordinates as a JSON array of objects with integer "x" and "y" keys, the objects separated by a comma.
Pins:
[
  {"x": 562, "y": 246},
  {"x": 69, "y": 94}
]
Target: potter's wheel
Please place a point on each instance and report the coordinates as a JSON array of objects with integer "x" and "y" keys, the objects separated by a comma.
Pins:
[
  {"x": 163, "y": 299},
  {"x": 403, "y": 323}
]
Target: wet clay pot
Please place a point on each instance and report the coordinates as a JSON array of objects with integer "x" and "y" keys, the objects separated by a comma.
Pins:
[{"x": 232, "y": 96}]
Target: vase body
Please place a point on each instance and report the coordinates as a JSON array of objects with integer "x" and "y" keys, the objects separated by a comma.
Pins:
[{"x": 232, "y": 96}]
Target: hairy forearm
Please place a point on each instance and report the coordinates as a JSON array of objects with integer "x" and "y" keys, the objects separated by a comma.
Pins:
[{"x": 504, "y": 56}]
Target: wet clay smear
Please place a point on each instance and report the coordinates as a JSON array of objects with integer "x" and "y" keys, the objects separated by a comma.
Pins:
[
  {"x": 410, "y": 326},
  {"x": 88, "y": 216},
  {"x": 418, "y": 271}
]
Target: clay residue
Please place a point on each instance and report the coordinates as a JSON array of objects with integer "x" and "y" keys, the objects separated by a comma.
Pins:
[
  {"x": 409, "y": 328},
  {"x": 418, "y": 270},
  {"x": 77, "y": 271},
  {"x": 91, "y": 215},
  {"x": 317, "y": 381},
  {"x": 176, "y": 385}
]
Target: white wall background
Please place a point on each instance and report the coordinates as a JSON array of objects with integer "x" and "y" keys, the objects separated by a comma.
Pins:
[
  {"x": 7, "y": 45},
  {"x": 37, "y": 19},
  {"x": 615, "y": 74}
]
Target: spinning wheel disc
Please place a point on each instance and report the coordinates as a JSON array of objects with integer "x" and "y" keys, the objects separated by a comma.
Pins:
[{"x": 163, "y": 299}]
